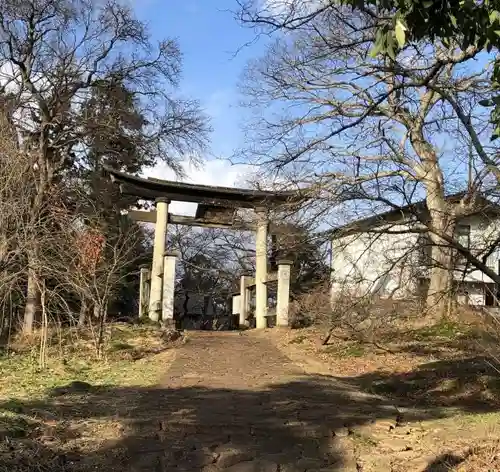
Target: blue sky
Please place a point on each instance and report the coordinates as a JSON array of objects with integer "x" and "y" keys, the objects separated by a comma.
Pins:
[{"x": 215, "y": 49}]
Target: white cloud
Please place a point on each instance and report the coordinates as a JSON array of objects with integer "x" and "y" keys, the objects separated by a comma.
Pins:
[{"x": 215, "y": 172}]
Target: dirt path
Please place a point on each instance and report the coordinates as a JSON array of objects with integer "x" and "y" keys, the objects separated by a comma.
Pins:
[
  {"x": 234, "y": 402},
  {"x": 255, "y": 402}
]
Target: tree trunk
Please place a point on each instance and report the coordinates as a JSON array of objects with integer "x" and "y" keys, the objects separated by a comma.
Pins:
[
  {"x": 440, "y": 290},
  {"x": 440, "y": 286},
  {"x": 32, "y": 309},
  {"x": 442, "y": 221},
  {"x": 102, "y": 313},
  {"x": 33, "y": 303},
  {"x": 83, "y": 312}
]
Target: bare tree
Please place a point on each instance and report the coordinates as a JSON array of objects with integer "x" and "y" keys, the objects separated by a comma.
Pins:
[
  {"x": 54, "y": 56},
  {"x": 382, "y": 131},
  {"x": 99, "y": 270},
  {"x": 16, "y": 193},
  {"x": 207, "y": 272}
]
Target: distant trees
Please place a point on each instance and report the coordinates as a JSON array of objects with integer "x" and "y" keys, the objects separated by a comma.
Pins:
[
  {"x": 207, "y": 270},
  {"x": 84, "y": 85},
  {"x": 306, "y": 252},
  {"x": 379, "y": 131},
  {"x": 467, "y": 23}
]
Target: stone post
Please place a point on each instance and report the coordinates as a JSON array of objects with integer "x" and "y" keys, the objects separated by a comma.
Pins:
[
  {"x": 168, "y": 288},
  {"x": 261, "y": 269},
  {"x": 144, "y": 292},
  {"x": 236, "y": 304},
  {"x": 244, "y": 301},
  {"x": 155, "y": 296},
  {"x": 283, "y": 293}
]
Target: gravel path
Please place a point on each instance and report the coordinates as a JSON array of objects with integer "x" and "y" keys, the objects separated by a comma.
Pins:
[{"x": 233, "y": 402}]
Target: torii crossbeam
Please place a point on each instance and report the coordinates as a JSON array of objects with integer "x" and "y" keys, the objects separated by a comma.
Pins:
[{"x": 217, "y": 208}]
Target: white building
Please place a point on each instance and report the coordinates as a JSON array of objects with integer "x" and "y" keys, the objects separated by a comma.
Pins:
[{"x": 384, "y": 256}]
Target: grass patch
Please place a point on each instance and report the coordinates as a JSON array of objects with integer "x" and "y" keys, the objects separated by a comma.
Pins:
[
  {"x": 298, "y": 339},
  {"x": 356, "y": 350},
  {"x": 347, "y": 350},
  {"x": 363, "y": 440},
  {"x": 445, "y": 329},
  {"x": 71, "y": 356},
  {"x": 78, "y": 401},
  {"x": 14, "y": 425},
  {"x": 488, "y": 419},
  {"x": 120, "y": 346}
]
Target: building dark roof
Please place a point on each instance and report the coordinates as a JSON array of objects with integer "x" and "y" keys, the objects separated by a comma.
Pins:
[
  {"x": 402, "y": 214},
  {"x": 152, "y": 189}
]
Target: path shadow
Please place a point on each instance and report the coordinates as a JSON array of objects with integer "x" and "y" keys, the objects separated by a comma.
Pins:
[
  {"x": 445, "y": 463},
  {"x": 470, "y": 384},
  {"x": 291, "y": 424},
  {"x": 300, "y": 425}
]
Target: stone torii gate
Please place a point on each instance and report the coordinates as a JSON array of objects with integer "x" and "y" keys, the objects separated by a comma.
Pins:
[{"x": 217, "y": 208}]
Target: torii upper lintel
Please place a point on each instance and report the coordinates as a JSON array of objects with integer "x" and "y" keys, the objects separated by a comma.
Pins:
[{"x": 153, "y": 189}]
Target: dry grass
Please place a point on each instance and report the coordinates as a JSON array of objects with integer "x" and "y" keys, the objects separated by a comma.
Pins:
[
  {"x": 35, "y": 434},
  {"x": 71, "y": 356},
  {"x": 447, "y": 370}
]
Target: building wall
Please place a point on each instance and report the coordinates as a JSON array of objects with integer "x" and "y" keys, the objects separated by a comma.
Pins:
[
  {"x": 388, "y": 264},
  {"x": 482, "y": 232},
  {"x": 379, "y": 264},
  {"x": 473, "y": 284}
]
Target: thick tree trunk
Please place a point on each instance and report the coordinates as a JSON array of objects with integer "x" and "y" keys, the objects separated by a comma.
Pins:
[
  {"x": 442, "y": 221},
  {"x": 441, "y": 281},
  {"x": 33, "y": 303},
  {"x": 440, "y": 291}
]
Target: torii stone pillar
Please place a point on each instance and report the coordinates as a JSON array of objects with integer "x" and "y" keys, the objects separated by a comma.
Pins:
[
  {"x": 168, "y": 289},
  {"x": 155, "y": 296},
  {"x": 244, "y": 301},
  {"x": 283, "y": 293},
  {"x": 261, "y": 269}
]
